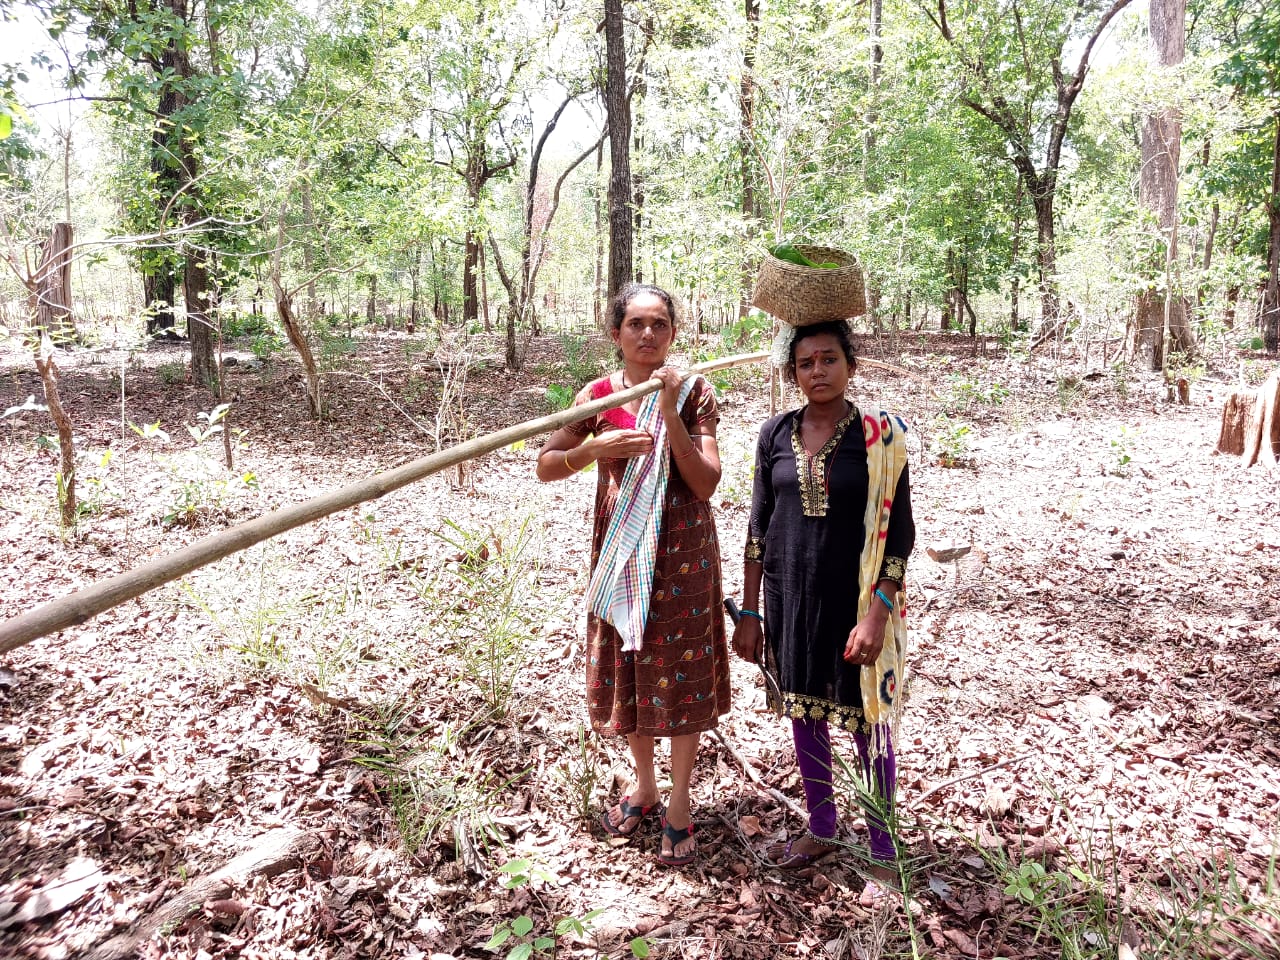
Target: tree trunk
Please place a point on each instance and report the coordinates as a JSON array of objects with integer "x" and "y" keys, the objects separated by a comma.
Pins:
[
  {"x": 1015, "y": 321},
  {"x": 415, "y": 278},
  {"x": 470, "y": 292},
  {"x": 53, "y": 284},
  {"x": 870, "y": 172},
  {"x": 1271, "y": 293},
  {"x": 158, "y": 292},
  {"x": 371, "y": 303},
  {"x": 200, "y": 320},
  {"x": 598, "y": 306},
  {"x": 619, "y": 108},
  {"x": 1046, "y": 256},
  {"x": 293, "y": 330},
  {"x": 746, "y": 148},
  {"x": 484, "y": 289},
  {"x": 1157, "y": 309}
]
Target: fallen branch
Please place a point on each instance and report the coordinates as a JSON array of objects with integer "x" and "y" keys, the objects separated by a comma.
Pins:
[
  {"x": 969, "y": 776},
  {"x": 78, "y": 607},
  {"x": 272, "y": 854},
  {"x": 754, "y": 777}
]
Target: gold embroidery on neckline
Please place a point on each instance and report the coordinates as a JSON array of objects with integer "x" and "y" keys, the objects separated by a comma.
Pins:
[{"x": 812, "y": 471}]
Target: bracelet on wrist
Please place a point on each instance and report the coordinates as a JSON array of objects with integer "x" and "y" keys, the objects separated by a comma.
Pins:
[
  {"x": 884, "y": 599},
  {"x": 751, "y": 613},
  {"x": 571, "y": 467},
  {"x": 688, "y": 453}
]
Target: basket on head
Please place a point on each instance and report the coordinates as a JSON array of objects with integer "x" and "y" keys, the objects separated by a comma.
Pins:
[{"x": 803, "y": 295}]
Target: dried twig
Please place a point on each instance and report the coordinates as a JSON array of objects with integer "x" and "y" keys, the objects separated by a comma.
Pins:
[{"x": 975, "y": 773}]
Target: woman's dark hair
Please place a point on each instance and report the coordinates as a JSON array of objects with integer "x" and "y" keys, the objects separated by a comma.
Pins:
[
  {"x": 618, "y": 305},
  {"x": 837, "y": 328}
]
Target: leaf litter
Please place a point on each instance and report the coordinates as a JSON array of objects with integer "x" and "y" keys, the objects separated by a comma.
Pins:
[{"x": 1089, "y": 753}]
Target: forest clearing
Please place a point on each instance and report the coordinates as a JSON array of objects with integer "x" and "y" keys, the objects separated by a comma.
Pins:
[
  {"x": 255, "y": 255},
  {"x": 1089, "y": 758}
]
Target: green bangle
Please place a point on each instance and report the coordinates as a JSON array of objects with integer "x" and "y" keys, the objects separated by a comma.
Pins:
[{"x": 751, "y": 613}]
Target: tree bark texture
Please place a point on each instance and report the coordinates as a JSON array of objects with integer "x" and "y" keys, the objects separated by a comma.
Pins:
[
  {"x": 200, "y": 320},
  {"x": 1236, "y": 410},
  {"x": 621, "y": 238},
  {"x": 53, "y": 284},
  {"x": 158, "y": 292},
  {"x": 293, "y": 330},
  {"x": 1015, "y": 248},
  {"x": 1159, "y": 308}
]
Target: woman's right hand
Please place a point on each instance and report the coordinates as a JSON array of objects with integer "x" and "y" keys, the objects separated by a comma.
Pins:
[
  {"x": 622, "y": 444},
  {"x": 748, "y": 639}
]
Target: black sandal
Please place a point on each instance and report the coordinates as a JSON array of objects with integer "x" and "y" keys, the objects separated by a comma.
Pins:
[
  {"x": 629, "y": 811},
  {"x": 677, "y": 836}
]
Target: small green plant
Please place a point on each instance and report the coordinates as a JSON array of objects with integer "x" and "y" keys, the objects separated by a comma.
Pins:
[
  {"x": 1120, "y": 450},
  {"x": 431, "y": 790},
  {"x": 245, "y": 325},
  {"x": 485, "y": 607},
  {"x": 96, "y": 488},
  {"x": 524, "y": 929},
  {"x": 580, "y": 773},
  {"x": 950, "y": 442},
  {"x": 210, "y": 424},
  {"x": 1071, "y": 908},
  {"x": 1070, "y": 390},
  {"x": 150, "y": 431},
  {"x": 753, "y": 330},
  {"x": 265, "y": 344},
  {"x": 171, "y": 373},
  {"x": 581, "y": 362},
  {"x": 965, "y": 395},
  {"x": 558, "y": 397},
  {"x": 1120, "y": 373}
]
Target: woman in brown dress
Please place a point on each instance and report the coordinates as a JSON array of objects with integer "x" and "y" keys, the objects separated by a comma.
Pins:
[{"x": 677, "y": 684}]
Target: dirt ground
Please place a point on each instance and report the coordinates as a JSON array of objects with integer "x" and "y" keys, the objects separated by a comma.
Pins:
[{"x": 295, "y": 752}]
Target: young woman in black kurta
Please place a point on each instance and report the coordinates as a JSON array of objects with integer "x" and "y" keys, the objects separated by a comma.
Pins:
[{"x": 805, "y": 546}]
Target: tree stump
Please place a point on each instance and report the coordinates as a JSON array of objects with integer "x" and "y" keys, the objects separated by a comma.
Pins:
[
  {"x": 1251, "y": 424},
  {"x": 1235, "y": 415},
  {"x": 1269, "y": 427}
]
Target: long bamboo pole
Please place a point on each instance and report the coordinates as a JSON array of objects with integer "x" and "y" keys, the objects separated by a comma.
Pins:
[{"x": 76, "y": 608}]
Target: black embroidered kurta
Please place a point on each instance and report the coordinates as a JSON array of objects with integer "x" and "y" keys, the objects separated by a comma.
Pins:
[{"x": 806, "y": 527}]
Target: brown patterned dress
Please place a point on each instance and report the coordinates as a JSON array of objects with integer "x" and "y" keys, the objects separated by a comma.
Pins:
[{"x": 678, "y": 682}]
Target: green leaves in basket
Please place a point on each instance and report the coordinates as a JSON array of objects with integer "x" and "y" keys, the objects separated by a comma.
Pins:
[{"x": 787, "y": 251}]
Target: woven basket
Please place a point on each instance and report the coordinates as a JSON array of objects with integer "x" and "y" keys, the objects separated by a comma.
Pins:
[{"x": 803, "y": 295}]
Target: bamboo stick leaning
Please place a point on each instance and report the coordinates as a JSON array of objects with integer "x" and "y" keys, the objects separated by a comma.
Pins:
[{"x": 77, "y": 607}]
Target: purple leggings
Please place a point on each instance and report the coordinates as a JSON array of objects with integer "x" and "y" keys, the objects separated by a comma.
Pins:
[{"x": 813, "y": 752}]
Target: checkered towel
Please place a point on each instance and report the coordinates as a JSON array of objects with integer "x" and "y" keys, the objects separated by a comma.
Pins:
[{"x": 622, "y": 584}]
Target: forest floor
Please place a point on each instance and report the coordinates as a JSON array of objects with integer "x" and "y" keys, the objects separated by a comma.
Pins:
[{"x": 364, "y": 738}]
